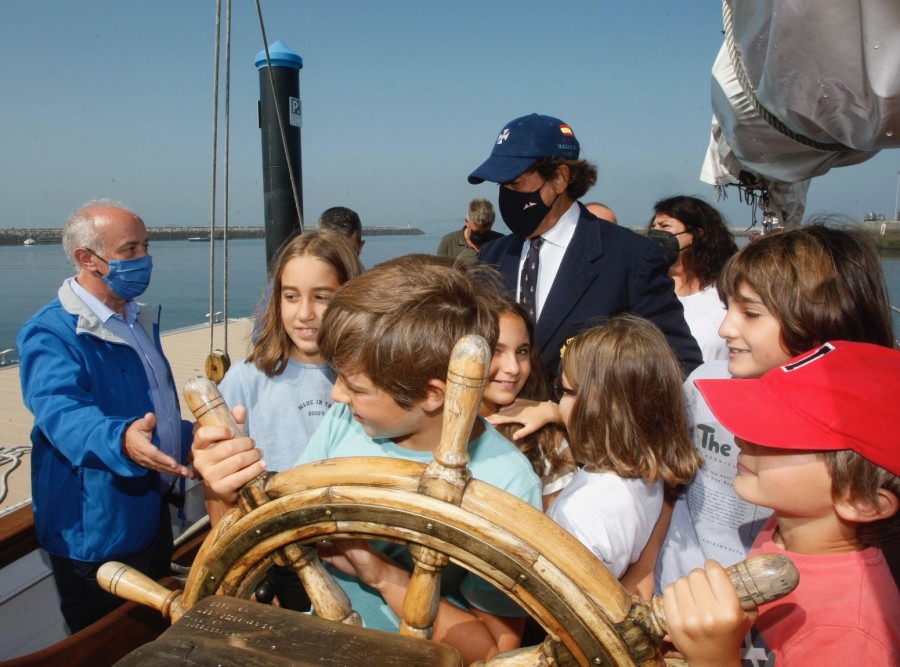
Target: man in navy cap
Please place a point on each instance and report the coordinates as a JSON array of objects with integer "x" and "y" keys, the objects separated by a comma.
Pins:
[{"x": 565, "y": 265}]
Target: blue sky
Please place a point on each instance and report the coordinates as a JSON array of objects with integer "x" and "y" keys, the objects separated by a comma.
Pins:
[{"x": 401, "y": 101}]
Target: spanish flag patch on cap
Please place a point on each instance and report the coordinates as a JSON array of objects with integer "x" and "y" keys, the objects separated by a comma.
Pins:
[{"x": 565, "y": 129}]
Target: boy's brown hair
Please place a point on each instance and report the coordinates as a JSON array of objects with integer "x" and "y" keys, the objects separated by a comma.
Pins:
[
  {"x": 628, "y": 416},
  {"x": 855, "y": 478},
  {"x": 398, "y": 322},
  {"x": 820, "y": 283}
]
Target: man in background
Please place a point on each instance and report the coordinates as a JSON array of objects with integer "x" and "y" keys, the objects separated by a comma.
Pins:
[
  {"x": 602, "y": 211},
  {"x": 566, "y": 266},
  {"x": 466, "y": 242},
  {"x": 108, "y": 439},
  {"x": 345, "y": 222}
]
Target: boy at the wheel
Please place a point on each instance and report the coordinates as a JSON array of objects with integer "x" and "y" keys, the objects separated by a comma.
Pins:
[{"x": 389, "y": 334}]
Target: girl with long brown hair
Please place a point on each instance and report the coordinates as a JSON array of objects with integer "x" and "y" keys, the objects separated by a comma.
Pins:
[{"x": 621, "y": 400}]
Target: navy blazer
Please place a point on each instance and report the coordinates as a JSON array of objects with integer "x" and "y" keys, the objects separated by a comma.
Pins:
[{"x": 606, "y": 270}]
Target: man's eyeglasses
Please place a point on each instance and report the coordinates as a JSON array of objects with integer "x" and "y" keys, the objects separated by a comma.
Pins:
[{"x": 560, "y": 390}]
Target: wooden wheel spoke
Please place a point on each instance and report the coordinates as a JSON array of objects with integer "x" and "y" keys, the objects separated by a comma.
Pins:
[
  {"x": 327, "y": 597},
  {"x": 420, "y": 606},
  {"x": 550, "y": 653}
]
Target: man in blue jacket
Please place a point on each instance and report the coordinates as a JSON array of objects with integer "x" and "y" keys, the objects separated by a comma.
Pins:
[
  {"x": 108, "y": 439},
  {"x": 567, "y": 266}
]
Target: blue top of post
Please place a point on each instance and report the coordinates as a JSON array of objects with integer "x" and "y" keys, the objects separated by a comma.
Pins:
[{"x": 280, "y": 55}]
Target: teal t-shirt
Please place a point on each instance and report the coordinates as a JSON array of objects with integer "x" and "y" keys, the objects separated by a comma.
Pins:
[{"x": 493, "y": 459}]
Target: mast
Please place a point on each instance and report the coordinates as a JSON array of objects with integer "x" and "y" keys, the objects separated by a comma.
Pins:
[
  {"x": 279, "y": 122},
  {"x": 897, "y": 200}
]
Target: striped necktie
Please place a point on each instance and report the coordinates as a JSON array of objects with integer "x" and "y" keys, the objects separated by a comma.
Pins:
[{"x": 528, "y": 279}]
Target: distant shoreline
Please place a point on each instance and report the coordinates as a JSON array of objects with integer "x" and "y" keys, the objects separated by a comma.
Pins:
[
  {"x": 17, "y": 236},
  {"x": 885, "y": 234}
]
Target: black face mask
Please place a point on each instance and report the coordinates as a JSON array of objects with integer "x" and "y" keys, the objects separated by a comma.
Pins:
[
  {"x": 522, "y": 212},
  {"x": 479, "y": 237},
  {"x": 668, "y": 241}
]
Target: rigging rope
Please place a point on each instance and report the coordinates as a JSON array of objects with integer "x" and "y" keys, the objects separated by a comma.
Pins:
[
  {"x": 12, "y": 455},
  {"x": 215, "y": 173},
  {"x": 192, "y": 531},
  {"x": 225, "y": 200},
  {"x": 212, "y": 216}
]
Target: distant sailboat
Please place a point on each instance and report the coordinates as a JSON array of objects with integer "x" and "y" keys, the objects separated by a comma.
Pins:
[{"x": 28, "y": 239}]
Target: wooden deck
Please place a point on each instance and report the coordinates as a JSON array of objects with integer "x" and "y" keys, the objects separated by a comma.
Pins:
[{"x": 186, "y": 350}]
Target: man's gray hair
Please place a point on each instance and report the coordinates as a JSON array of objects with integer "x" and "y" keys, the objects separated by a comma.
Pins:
[
  {"x": 481, "y": 213},
  {"x": 80, "y": 231}
]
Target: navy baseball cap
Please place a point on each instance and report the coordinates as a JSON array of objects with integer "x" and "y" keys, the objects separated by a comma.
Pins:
[{"x": 523, "y": 142}]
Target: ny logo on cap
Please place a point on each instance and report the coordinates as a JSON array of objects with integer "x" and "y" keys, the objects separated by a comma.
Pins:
[{"x": 503, "y": 136}]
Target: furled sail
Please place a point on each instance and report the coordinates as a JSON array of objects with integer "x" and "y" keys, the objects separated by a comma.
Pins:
[{"x": 800, "y": 87}]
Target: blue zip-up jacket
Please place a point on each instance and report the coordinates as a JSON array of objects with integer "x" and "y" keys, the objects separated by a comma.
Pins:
[{"x": 84, "y": 387}]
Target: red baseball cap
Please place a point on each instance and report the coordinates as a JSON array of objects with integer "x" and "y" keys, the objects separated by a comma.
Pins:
[{"x": 839, "y": 396}]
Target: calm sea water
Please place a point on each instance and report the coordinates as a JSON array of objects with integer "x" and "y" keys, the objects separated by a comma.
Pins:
[{"x": 30, "y": 277}]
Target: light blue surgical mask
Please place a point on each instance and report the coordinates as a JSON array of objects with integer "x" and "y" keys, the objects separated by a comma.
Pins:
[{"x": 127, "y": 278}]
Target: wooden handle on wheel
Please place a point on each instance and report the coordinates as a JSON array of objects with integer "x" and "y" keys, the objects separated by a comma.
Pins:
[
  {"x": 206, "y": 403},
  {"x": 209, "y": 408},
  {"x": 130, "y": 584},
  {"x": 446, "y": 476},
  {"x": 329, "y": 599},
  {"x": 467, "y": 372},
  {"x": 757, "y": 580}
]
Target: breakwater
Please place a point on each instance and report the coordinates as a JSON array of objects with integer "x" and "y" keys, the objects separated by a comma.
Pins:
[
  {"x": 16, "y": 236},
  {"x": 885, "y": 234}
]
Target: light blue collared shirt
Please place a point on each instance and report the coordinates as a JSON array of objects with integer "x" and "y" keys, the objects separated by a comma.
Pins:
[{"x": 165, "y": 403}]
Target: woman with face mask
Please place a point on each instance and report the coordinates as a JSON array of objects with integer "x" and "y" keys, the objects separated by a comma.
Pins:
[{"x": 697, "y": 243}]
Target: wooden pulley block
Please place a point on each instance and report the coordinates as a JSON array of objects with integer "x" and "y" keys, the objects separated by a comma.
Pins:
[{"x": 217, "y": 364}]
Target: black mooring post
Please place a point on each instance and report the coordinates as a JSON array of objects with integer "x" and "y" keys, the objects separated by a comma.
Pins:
[{"x": 282, "y": 219}]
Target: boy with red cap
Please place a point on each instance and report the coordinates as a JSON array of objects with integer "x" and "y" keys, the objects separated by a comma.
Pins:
[{"x": 819, "y": 445}]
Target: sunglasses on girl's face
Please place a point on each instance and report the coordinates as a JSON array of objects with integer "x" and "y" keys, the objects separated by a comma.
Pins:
[{"x": 560, "y": 390}]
